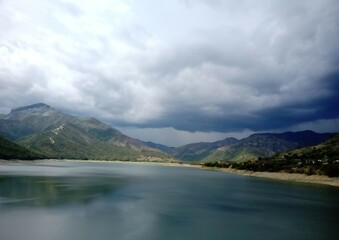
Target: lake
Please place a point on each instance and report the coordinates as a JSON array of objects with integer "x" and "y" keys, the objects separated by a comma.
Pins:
[{"x": 88, "y": 200}]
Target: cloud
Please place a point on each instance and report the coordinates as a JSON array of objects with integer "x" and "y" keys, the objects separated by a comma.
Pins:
[
  {"x": 318, "y": 125},
  {"x": 219, "y": 66}
]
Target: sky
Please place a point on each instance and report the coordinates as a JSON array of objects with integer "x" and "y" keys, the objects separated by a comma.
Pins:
[{"x": 176, "y": 71}]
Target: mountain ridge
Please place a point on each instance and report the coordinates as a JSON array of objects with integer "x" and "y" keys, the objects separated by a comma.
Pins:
[
  {"x": 55, "y": 134},
  {"x": 197, "y": 151},
  {"x": 59, "y": 135},
  {"x": 320, "y": 159},
  {"x": 33, "y": 106},
  {"x": 267, "y": 144},
  {"x": 248, "y": 148}
]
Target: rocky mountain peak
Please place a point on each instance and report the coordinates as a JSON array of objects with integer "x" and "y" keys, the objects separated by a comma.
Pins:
[{"x": 37, "y": 107}]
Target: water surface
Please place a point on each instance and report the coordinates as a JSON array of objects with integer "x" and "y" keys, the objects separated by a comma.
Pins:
[{"x": 84, "y": 200}]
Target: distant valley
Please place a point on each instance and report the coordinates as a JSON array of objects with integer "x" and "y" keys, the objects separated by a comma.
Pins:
[{"x": 252, "y": 147}]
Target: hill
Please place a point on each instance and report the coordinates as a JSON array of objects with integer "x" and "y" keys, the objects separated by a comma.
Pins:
[
  {"x": 265, "y": 145},
  {"x": 325, "y": 151},
  {"x": 196, "y": 152},
  {"x": 59, "y": 135},
  {"x": 321, "y": 159},
  {"x": 11, "y": 150},
  {"x": 249, "y": 148},
  {"x": 159, "y": 146}
]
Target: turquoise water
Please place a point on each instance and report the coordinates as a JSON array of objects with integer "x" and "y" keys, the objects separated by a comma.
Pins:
[{"x": 79, "y": 200}]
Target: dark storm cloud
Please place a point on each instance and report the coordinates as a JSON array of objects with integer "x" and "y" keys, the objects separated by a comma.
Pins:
[
  {"x": 284, "y": 115},
  {"x": 272, "y": 78},
  {"x": 220, "y": 66}
]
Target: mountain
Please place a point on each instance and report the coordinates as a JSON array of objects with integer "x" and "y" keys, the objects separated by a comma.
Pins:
[
  {"x": 159, "y": 146},
  {"x": 54, "y": 134},
  {"x": 58, "y": 135},
  {"x": 195, "y": 152},
  {"x": 27, "y": 120},
  {"x": 320, "y": 159},
  {"x": 252, "y": 147},
  {"x": 265, "y": 145},
  {"x": 327, "y": 150},
  {"x": 11, "y": 150}
]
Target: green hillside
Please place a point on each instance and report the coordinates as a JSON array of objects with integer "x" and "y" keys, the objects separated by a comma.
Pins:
[
  {"x": 250, "y": 148},
  {"x": 265, "y": 145},
  {"x": 321, "y": 159},
  {"x": 57, "y": 135},
  {"x": 11, "y": 150},
  {"x": 328, "y": 150},
  {"x": 238, "y": 154},
  {"x": 196, "y": 152},
  {"x": 76, "y": 143}
]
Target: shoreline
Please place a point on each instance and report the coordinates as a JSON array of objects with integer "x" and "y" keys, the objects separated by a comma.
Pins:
[
  {"x": 281, "y": 176},
  {"x": 289, "y": 177}
]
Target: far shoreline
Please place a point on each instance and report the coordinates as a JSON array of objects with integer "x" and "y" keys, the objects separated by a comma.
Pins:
[{"x": 281, "y": 176}]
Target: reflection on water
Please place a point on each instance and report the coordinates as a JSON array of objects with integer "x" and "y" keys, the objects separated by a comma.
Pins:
[
  {"x": 52, "y": 191},
  {"x": 65, "y": 200}
]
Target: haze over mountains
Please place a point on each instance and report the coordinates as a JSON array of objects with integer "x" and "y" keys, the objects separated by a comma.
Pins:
[{"x": 48, "y": 132}]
